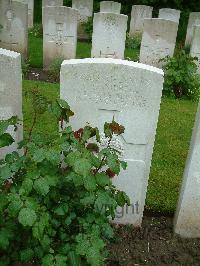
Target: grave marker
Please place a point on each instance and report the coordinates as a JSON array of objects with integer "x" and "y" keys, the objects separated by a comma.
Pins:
[
  {"x": 169, "y": 13},
  {"x": 195, "y": 45},
  {"x": 14, "y": 20},
  {"x": 158, "y": 40},
  {"x": 10, "y": 94},
  {"x": 109, "y": 35},
  {"x": 194, "y": 19},
  {"x": 138, "y": 14},
  {"x": 97, "y": 90},
  {"x": 60, "y": 34},
  {"x": 187, "y": 217},
  {"x": 30, "y": 4},
  {"x": 110, "y": 7}
]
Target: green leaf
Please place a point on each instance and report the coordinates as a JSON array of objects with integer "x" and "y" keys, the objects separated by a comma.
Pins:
[
  {"x": 6, "y": 140},
  {"x": 48, "y": 260},
  {"x": 27, "y": 217},
  {"x": 5, "y": 172},
  {"x": 90, "y": 182},
  {"x": 26, "y": 255},
  {"x": 72, "y": 158},
  {"x": 26, "y": 187},
  {"x": 113, "y": 163},
  {"x": 123, "y": 165},
  {"x": 61, "y": 260},
  {"x": 15, "y": 206},
  {"x": 62, "y": 209},
  {"x": 82, "y": 167},
  {"x": 41, "y": 186},
  {"x": 74, "y": 259},
  {"x": 103, "y": 180},
  {"x": 39, "y": 155}
]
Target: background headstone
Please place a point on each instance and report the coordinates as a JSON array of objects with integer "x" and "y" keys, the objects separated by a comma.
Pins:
[
  {"x": 50, "y": 3},
  {"x": 30, "y": 4},
  {"x": 194, "y": 19},
  {"x": 109, "y": 35},
  {"x": 169, "y": 13},
  {"x": 14, "y": 20},
  {"x": 195, "y": 45},
  {"x": 59, "y": 33},
  {"x": 110, "y": 7},
  {"x": 85, "y": 9},
  {"x": 10, "y": 94},
  {"x": 158, "y": 40},
  {"x": 97, "y": 90},
  {"x": 138, "y": 14},
  {"x": 187, "y": 217}
]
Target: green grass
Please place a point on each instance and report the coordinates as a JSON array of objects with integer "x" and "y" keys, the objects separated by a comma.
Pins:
[
  {"x": 83, "y": 51},
  {"x": 171, "y": 147}
]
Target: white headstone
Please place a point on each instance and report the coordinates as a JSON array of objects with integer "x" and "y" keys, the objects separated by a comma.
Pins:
[
  {"x": 138, "y": 14},
  {"x": 50, "y": 3},
  {"x": 169, "y": 13},
  {"x": 30, "y": 4},
  {"x": 109, "y": 35},
  {"x": 195, "y": 45},
  {"x": 194, "y": 19},
  {"x": 100, "y": 89},
  {"x": 14, "y": 20},
  {"x": 187, "y": 217},
  {"x": 85, "y": 9},
  {"x": 10, "y": 94},
  {"x": 110, "y": 7},
  {"x": 59, "y": 33},
  {"x": 158, "y": 40}
]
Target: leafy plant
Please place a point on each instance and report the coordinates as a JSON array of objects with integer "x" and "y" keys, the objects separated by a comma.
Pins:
[
  {"x": 57, "y": 198},
  {"x": 133, "y": 42},
  {"x": 181, "y": 78},
  {"x": 54, "y": 69},
  {"x": 88, "y": 27}
]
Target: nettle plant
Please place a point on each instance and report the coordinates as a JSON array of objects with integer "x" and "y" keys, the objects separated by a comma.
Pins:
[
  {"x": 57, "y": 198},
  {"x": 181, "y": 78}
]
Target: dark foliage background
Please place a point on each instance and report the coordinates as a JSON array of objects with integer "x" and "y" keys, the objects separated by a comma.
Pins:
[{"x": 186, "y": 6}]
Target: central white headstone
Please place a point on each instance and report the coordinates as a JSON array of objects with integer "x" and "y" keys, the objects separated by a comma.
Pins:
[
  {"x": 100, "y": 89},
  {"x": 30, "y": 4},
  {"x": 138, "y": 14},
  {"x": 109, "y": 35},
  {"x": 59, "y": 33},
  {"x": 50, "y": 3},
  {"x": 110, "y": 7},
  {"x": 195, "y": 45},
  {"x": 194, "y": 19},
  {"x": 169, "y": 13},
  {"x": 187, "y": 217},
  {"x": 10, "y": 94},
  {"x": 14, "y": 20},
  {"x": 158, "y": 40}
]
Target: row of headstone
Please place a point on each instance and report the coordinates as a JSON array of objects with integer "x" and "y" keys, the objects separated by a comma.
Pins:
[{"x": 131, "y": 93}]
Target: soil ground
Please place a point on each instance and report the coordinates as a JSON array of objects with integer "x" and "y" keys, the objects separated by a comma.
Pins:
[{"x": 152, "y": 244}]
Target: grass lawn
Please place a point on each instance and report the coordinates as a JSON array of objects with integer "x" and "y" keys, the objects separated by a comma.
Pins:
[
  {"x": 172, "y": 141},
  {"x": 83, "y": 51}
]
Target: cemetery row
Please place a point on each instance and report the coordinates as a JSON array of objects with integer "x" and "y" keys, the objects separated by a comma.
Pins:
[
  {"x": 62, "y": 25},
  {"x": 130, "y": 92}
]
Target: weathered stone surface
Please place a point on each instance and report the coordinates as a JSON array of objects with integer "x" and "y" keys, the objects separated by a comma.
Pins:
[
  {"x": 195, "y": 45},
  {"x": 158, "y": 40},
  {"x": 169, "y": 13},
  {"x": 109, "y": 35},
  {"x": 194, "y": 19},
  {"x": 110, "y": 7},
  {"x": 30, "y": 4},
  {"x": 59, "y": 33},
  {"x": 138, "y": 14},
  {"x": 14, "y": 20},
  {"x": 10, "y": 94},
  {"x": 50, "y": 3},
  {"x": 85, "y": 9},
  {"x": 187, "y": 217},
  {"x": 97, "y": 90}
]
